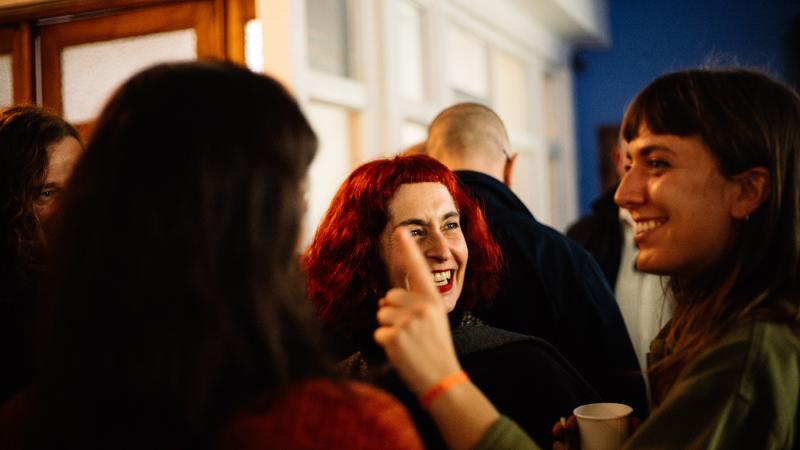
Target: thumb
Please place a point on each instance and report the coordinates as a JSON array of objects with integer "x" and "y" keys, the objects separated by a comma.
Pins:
[{"x": 418, "y": 273}]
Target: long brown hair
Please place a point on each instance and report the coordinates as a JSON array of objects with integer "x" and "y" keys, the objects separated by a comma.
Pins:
[
  {"x": 747, "y": 120},
  {"x": 178, "y": 297}
]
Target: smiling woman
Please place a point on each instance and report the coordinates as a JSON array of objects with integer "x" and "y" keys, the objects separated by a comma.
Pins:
[
  {"x": 356, "y": 256},
  {"x": 428, "y": 211},
  {"x": 711, "y": 182},
  {"x": 349, "y": 261}
]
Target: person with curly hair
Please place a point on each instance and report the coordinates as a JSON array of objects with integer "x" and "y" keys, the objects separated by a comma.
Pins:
[{"x": 38, "y": 151}]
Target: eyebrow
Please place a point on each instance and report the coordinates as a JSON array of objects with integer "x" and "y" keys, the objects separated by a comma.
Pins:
[
  {"x": 421, "y": 222},
  {"x": 50, "y": 185},
  {"x": 646, "y": 151}
]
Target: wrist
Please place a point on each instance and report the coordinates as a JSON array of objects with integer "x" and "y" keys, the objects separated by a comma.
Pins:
[{"x": 441, "y": 387}]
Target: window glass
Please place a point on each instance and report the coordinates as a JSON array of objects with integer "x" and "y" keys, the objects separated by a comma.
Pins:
[
  {"x": 412, "y": 133},
  {"x": 254, "y": 46},
  {"x": 466, "y": 63},
  {"x": 6, "y": 82},
  {"x": 510, "y": 91},
  {"x": 329, "y": 36},
  {"x": 410, "y": 53},
  {"x": 332, "y": 163},
  {"x": 91, "y": 72}
]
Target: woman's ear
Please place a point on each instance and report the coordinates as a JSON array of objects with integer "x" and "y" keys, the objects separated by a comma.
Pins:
[{"x": 754, "y": 187}]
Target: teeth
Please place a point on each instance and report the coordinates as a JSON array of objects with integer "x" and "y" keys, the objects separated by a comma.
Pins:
[
  {"x": 647, "y": 225},
  {"x": 441, "y": 278}
]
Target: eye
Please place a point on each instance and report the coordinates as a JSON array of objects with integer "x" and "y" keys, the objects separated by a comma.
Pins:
[
  {"x": 417, "y": 232},
  {"x": 655, "y": 163},
  {"x": 452, "y": 226},
  {"x": 46, "y": 194}
]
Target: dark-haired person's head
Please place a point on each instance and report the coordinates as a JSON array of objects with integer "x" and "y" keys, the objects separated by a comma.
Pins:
[
  {"x": 352, "y": 260},
  {"x": 712, "y": 182},
  {"x": 38, "y": 151},
  {"x": 178, "y": 295}
]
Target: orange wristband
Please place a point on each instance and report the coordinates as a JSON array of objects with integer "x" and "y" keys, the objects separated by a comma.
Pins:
[{"x": 441, "y": 387}]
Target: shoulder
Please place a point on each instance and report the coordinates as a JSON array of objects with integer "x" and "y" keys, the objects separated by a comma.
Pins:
[
  {"x": 742, "y": 392},
  {"x": 752, "y": 346},
  {"x": 325, "y": 414},
  {"x": 495, "y": 353},
  {"x": 744, "y": 362},
  {"x": 481, "y": 338}
]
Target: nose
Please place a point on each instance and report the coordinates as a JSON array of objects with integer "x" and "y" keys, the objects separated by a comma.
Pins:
[
  {"x": 631, "y": 191},
  {"x": 436, "y": 247}
]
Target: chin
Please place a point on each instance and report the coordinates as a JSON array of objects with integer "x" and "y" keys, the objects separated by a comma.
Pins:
[{"x": 652, "y": 267}]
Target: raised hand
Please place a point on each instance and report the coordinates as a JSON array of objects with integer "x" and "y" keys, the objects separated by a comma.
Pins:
[{"x": 414, "y": 331}]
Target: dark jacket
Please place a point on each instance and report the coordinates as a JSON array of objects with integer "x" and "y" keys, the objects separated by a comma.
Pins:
[
  {"x": 525, "y": 378},
  {"x": 553, "y": 289},
  {"x": 601, "y": 234}
]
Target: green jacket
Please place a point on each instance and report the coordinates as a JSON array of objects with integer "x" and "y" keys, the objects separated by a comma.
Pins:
[{"x": 742, "y": 393}]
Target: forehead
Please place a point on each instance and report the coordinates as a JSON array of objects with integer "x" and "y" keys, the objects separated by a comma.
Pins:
[
  {"x": 647, "y": 141},
  {"x": 420, "y": 200},
  {"x": 63, "y": 154}
]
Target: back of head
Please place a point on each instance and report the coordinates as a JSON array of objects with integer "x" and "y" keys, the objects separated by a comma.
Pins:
[
  {"x": 468, "y": 136},
  {"x": 177, "y": 295},
  {"x": 346, "y": 275},
  {"x": 25, "y": 133}
]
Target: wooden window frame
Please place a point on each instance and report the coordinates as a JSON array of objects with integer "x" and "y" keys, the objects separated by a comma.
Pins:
[
  {"x": 198, "y": 15},
  {"x": 16, "y": 41}
]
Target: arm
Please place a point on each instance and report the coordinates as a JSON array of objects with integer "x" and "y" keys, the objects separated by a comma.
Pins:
[{"x": 415, "y": 334}]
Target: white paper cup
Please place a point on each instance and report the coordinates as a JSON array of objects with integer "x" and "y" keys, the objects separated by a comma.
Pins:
[{"x": 603, "y": 426}]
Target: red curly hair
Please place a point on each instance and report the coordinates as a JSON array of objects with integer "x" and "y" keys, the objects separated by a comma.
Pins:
[{"x": 346, "y": 275}]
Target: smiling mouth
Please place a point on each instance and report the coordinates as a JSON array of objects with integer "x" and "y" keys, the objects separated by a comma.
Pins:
[
  {"x": 647, "y": 225},
  {"x": 443, "y": 279}
]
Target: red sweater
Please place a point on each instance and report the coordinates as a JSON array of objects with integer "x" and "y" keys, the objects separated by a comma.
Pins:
[
  {"x": 325, "y": 415},
  {"x": 315, "y": 414}
]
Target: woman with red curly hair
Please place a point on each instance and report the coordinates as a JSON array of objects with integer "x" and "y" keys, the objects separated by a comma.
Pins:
[{"x": 354, "y": 259}]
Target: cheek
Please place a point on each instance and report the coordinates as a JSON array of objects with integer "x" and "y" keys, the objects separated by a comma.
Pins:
[
  {"x": 461, "y": 251},
  {"x": 44, "y": 210}
]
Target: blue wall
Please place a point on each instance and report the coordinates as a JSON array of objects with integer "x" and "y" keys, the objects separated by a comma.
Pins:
[{"x": 650, "y": 37}]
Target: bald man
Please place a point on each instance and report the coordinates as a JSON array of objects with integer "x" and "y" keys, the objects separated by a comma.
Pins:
[{"x": 552, "y": 288}]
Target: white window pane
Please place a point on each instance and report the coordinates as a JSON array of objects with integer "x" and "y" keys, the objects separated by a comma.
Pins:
[
  {"x": 510, "y": 89},
  {"x": 6, "y": 82},
  {"x": 329, "y": 36},
  {"x": 410, "y": 57},
  {"x": 91, "y": 72},
  {"x": 459, "y": 96},
  {"x": 254, "y": 46},
  {"x": 532, "y": 182},
  {"x": 332, "y": 163},
  {"x": 466, "y": 62},
  {"x": 412, "y": 133}
]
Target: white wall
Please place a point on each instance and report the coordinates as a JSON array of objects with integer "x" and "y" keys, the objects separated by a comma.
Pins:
[{"x": 405, "y": 60}]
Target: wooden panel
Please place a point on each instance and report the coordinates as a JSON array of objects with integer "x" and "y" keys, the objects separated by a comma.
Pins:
[
  {"x": 57, "y": 8},
  {"x": 16, "y": 40},
  {"x": 203, "y": 16},
  {"x": 23, "y": 65},
  {"x": 237, "y": 14},
  {"x": 6, "y": 40}
]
